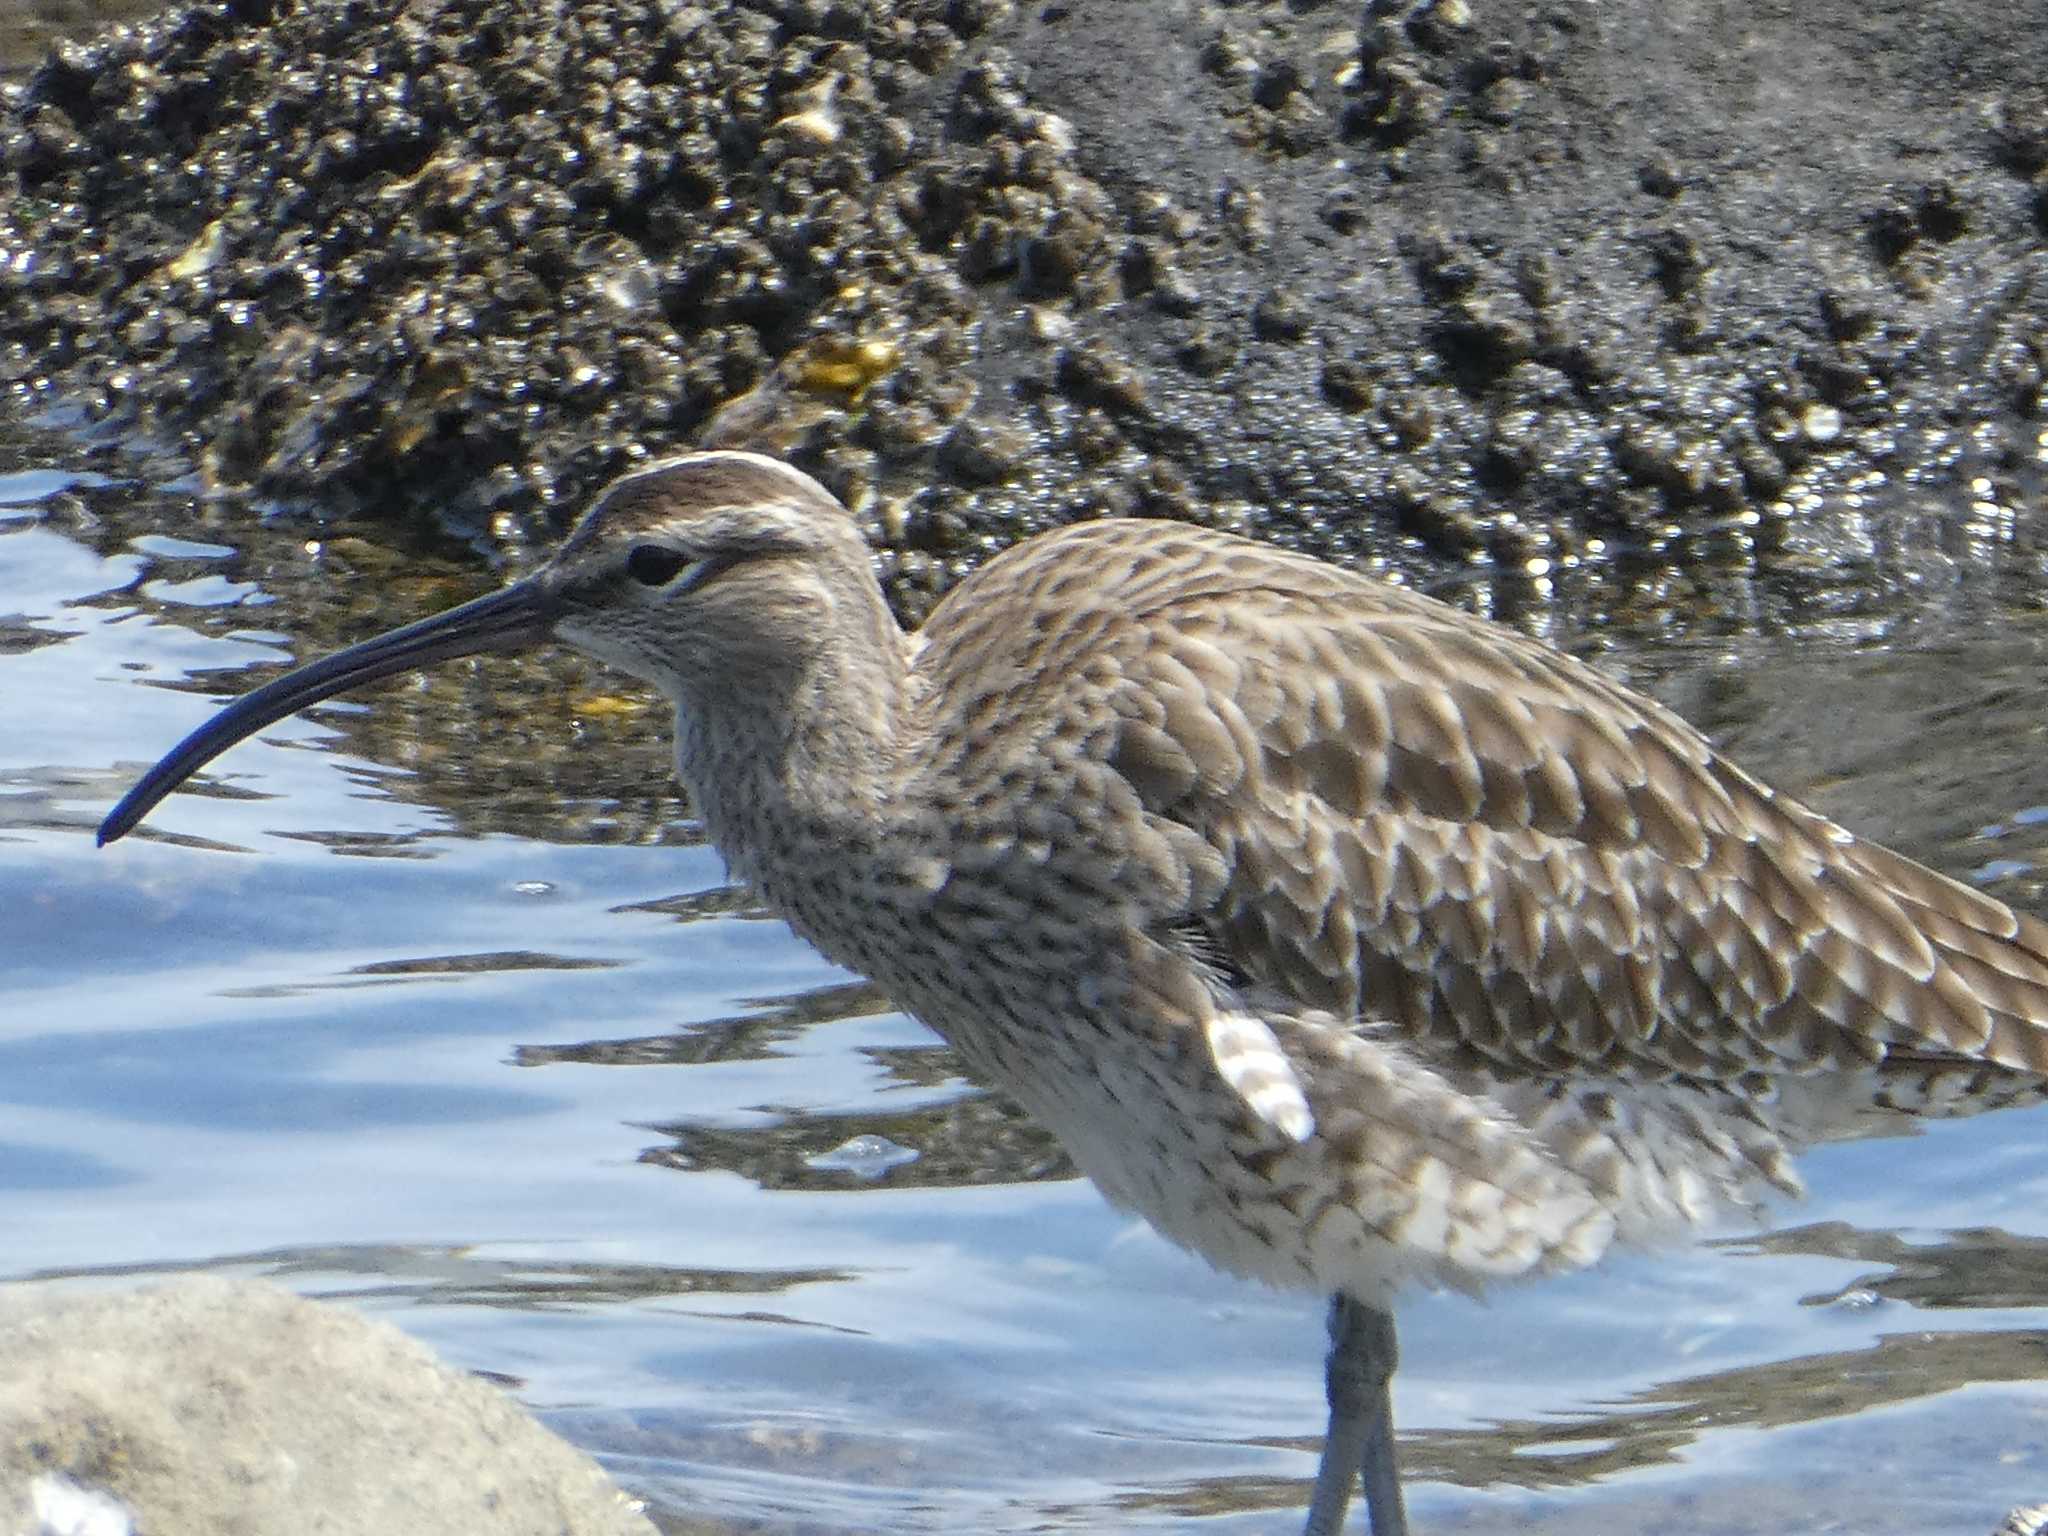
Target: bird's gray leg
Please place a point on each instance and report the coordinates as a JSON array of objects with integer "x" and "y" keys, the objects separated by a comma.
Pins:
[{"x": 1363, "y": 1354}]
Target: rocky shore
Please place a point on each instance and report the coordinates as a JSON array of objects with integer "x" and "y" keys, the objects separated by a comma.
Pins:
[{"x": 1518, "y": 287}]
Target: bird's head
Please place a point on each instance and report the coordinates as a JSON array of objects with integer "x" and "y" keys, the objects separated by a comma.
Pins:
[
  {"x": 709, "y": 573},
  {"x": 720, "y": 578}
]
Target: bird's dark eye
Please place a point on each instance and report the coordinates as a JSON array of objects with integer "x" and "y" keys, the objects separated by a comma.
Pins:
[{"x": 655, "y": 565}]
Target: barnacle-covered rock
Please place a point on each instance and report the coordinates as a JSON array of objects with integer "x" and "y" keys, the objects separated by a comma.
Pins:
[{"x": 1399, "y": 282}]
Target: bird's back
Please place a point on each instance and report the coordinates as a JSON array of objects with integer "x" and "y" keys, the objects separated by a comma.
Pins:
[
  {"x": 1527, "y": 888},
  {"x": 1431, "y": 819}
]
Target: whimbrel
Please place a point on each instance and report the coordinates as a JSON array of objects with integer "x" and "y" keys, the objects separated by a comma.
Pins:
[{"x": 1351, "y": 941}]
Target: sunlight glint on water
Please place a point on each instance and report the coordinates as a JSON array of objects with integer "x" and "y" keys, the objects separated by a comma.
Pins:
[{"x": 519, "y": 1073}]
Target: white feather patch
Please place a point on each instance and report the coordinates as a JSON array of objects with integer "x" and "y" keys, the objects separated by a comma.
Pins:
[{"x": 1258, "y": 1071}]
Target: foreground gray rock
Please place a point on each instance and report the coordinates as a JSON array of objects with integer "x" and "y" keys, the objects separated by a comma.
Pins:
[{"x": 205, "y": 1406}]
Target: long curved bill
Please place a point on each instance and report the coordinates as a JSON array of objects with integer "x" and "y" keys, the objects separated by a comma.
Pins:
[{"x": 516, "y": 618}]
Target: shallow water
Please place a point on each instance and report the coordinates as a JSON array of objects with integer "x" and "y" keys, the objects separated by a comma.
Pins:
[{"x": 434, "y": 1003}]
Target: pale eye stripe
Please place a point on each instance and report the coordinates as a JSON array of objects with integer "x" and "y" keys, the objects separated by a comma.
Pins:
[{"x": 1250, "y": 1060}]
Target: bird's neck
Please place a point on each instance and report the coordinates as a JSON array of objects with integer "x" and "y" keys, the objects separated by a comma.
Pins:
[{"x": 790, "y": 770}]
